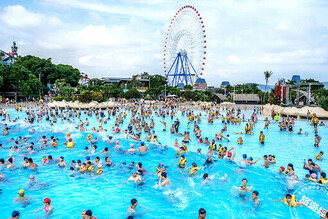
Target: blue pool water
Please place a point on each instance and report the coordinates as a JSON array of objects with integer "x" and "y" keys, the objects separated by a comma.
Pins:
[{"x": 107, "y": 199}]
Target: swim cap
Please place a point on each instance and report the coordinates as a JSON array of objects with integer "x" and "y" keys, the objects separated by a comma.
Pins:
[
  {"x": 313, "y": 175},
  {"x": 161, "y": 164},
  {"x": 87, "y": 157},
  {"x": 62, "y": 157},
  {"x": 31, "y": 176},
  {"x": 21, "y": 192},
  {"x": 47, "y": 200},
  {"x": 68, "y": 133},
  {"x": 229, "y": 153},
  {"x": 282, "y": 168},
  {"x": 244, "y": 156},
  {"x": 142, "y": 143},
  {"x": 99, "y": 166},
  {"x": 70, "y": 139},
  {"x": 15, "y": 214}
]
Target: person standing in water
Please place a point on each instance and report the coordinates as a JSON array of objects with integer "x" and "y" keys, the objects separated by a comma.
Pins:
[
  {"x": 255, "y": 199},
  {"x": 132, "y": 211},
  {"x": 202, "y": 213},
  {"x": 21, "y": 198},
  {"x": 48, "y": 209},
  {"x": 165, "y": 182}
]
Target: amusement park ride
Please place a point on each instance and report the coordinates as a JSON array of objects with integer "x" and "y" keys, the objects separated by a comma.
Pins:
[
  {"x": 184, "y": 50},
  {"x": 9, "y": 58}
]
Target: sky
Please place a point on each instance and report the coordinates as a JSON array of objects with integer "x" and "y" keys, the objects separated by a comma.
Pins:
[{"x": 120, "y": 38}]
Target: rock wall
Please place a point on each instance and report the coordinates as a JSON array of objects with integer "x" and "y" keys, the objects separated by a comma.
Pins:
[
  {"x": 293, "y": 111},
  {"x": 79, "y": 105}
]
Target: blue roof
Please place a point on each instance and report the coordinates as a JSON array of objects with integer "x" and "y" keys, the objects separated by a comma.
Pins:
[
  {"x": 225, "y": 83},
  {"x": 200, "y": 81},
  {"x": 296, "y": 78}
]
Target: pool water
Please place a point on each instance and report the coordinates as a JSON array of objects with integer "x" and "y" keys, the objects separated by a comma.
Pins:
[{"x": 108, "y": 199}]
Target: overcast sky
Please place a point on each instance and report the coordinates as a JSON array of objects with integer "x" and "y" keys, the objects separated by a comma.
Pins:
[{"x": 121, "y": 38}]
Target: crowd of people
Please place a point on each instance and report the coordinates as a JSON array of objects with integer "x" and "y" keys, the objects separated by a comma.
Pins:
[{"x": 142, "y": 122}]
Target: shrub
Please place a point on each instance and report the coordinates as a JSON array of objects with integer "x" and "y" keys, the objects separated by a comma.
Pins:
[
  {"x": 132, "y": 93},
  {"x": 88, "y": 96},
  {"x": 323, "y": 102},
  {"x": 58, "y": 98}
]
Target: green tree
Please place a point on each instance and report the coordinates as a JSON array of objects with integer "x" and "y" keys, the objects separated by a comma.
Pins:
[
  {"x": 132, "y": 93},
  {"x": 135, "y": 81},
  {"x": 157, "y": 81},
  {"x": 188, "y": 87},
  {"x": 70, "y": 74},
  {"x": 2, "y": 72},
  {"x": 60, "y": 83},
  {"x": 267, "y": 75},
  {"x": 31, "y": 86},
  {"x": 96, "y": 81}
]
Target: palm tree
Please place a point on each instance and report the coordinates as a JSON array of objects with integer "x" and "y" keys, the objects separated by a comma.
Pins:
[
  {"x": 135, "y": 81},
  {"x": 267, "y": 75}
]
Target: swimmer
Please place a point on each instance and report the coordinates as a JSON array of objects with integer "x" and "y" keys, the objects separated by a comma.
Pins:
[
  {"x": 266, "y": 161},
  {"x": 142, "y": 148},
  {"x": 255, "y": 199},
  {"x": 176, "y": 143},
  {"x": 262, "y": 137},
  {"x": 182, "y": 162},
  {"x": 62, "y": 162},
  {"x": 249, "y": 161},
  {"x": 99, "y": 169},
  {"x": 323, "y": 180},
  {"x": 160, "y": 169},
  {"x": 108, "y": 162},
  {"x": 192, "y": 171},
  {"x": 291, "y": 200},
  {"x": 132, "y": 150},
  {"x": 105, "y": 151},
  {"x": 15, "y": 215},
  {"x": 231, "y": 156},
  {"x": 243, "y": 188},
  {"x": 132, "y": 211},
  {"x": 11, "y": 164},
  {"x": 22, "y": 199},
  {"x": 207, "y": 179},
  {"x": 87, "y": 214},
  {"x": 48, "y": 209},
  {"x": 117, "y": 146},
  {"x": 139, "y": 167},
  {"x": 201, "y": 213},
  {"x": 135, "y": 177},
  {"x": 89, "y": 167},
  {"x": 165, "y": 182},
  {"x": 32, "y": 165},
  {"x": 319, "y": 156},
  {"x": 311, "y": 167},
  {"x": 281, "y": 169}
]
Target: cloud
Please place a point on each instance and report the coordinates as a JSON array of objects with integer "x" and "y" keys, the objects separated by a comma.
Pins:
[
  {"x": 17, "y": 16},
  {"x": 120, "y": 38},
  {"x": 233, "y": 59}
]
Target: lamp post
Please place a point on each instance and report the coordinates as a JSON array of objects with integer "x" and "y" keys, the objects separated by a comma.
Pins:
[{"x": 165, "y": 92}]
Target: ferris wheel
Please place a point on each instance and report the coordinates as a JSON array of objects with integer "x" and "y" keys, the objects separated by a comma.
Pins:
[{"x": 185, "y": 47}]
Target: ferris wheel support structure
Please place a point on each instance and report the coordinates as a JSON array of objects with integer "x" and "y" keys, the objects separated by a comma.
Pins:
[{"x": 184, "y": 50}]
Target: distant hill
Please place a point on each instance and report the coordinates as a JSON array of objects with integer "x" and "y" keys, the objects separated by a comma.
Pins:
[{"x": 326, "y": 84}]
